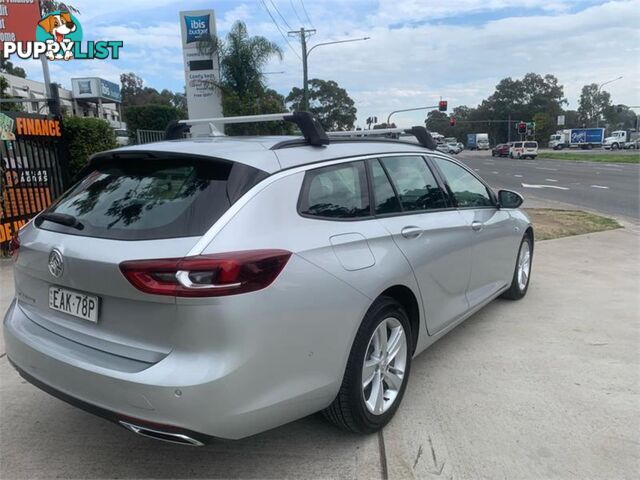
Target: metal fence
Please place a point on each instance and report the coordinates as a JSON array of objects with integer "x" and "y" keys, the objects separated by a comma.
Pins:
[
  {"x": 149, "y": 136},
  {"x": 33, "y": 173}
]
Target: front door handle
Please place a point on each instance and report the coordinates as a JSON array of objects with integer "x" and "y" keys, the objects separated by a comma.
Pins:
[
  {"x": 477, "y": 226},
  {"x": 411, "y": 232}
]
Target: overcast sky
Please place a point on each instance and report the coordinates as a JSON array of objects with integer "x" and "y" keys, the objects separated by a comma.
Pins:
[{"x": 419, "y": 49}]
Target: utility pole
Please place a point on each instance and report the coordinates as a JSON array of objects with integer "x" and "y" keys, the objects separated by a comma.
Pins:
[{"x": 304, "y": 33}]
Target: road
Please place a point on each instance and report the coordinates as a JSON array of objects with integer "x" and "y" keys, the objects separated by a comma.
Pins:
[
  {"x": 546, "y": 387},
  {"x": 610, "y": 188}
]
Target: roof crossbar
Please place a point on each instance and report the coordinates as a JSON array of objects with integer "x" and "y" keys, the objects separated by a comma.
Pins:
[
  {"x": 422, "y": 135},
  {"x": 311, "y": 129}
]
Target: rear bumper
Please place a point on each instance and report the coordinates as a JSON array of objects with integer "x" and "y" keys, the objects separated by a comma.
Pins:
[
  {"x": 232, "y": 372},
  {"x": 170, "y": 431},
  {"x": 232, "y": 405}
]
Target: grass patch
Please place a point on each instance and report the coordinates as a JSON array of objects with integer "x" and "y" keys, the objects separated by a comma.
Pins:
[
  {"x": 593, "y": 157},
  {"x": 550, "y": 223}
]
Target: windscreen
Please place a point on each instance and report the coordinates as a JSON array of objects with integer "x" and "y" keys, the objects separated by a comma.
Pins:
[{"x": 152, "y": 199}]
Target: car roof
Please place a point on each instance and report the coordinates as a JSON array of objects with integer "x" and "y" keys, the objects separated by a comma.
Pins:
[{"x": 275, "y": 153}]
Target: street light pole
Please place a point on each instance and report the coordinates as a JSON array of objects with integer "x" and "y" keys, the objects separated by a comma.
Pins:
[
  {"x": 408, "y": 110},
  {"x": 598, "y": 91},
  {"x": 305, "y": 57}
]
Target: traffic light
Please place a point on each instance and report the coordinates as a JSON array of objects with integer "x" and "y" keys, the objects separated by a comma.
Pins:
[
  {"x": 522, "y": 127},
  {"x": 452, "y": 122},
  {"x": 442, "y": 105}
]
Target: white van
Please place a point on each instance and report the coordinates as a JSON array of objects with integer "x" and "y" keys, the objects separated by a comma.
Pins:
[{"x": 523, "y": 150}]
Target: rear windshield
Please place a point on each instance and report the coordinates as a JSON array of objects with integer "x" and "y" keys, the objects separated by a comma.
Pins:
[
  {"x": 530, "y": 145},
  {"x": 517, "y": 144},
  {"x": 151, "y": 199}
]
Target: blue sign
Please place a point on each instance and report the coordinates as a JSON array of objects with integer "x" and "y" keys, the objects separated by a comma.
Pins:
[
  {"x": 197, "y": 27},
  {"x": 110, "y": 90}
]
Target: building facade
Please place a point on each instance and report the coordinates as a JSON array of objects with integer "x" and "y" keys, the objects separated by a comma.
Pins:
[{"x": 95, "y": 104}]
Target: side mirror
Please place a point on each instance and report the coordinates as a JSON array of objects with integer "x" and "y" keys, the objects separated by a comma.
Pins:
[{"x": 509, "y": 199}]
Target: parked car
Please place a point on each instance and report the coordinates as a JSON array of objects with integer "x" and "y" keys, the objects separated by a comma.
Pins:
[
  {"x": 122, "y": 137},
  {"x": 501, "y": 150},
  {"x": 448, "y": 148},
  {"x": 527, "y": 149},
  {"x": 220, "y": 287}
]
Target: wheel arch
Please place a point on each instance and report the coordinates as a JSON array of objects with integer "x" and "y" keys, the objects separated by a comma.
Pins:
[{"x": 405, "y": 297}]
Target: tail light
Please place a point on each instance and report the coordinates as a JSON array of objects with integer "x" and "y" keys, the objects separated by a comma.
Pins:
[
  {"x": 14, "y": 246},
  {"x": 207, "y": 275}
]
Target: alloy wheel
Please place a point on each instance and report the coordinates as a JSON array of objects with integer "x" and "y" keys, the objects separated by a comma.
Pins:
[
  {"x": 384, "y": 366},
  {"x": 524, "y": 265}
]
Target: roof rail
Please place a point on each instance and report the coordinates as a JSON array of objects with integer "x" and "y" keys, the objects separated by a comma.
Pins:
[
  {"x": 311, "y": 129},
  {"x": 422, "y": 135}
]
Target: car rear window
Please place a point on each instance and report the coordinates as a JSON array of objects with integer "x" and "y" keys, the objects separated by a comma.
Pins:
[
  {"x": 530, "y": 145},
  {"x": 143, "y": 199}
]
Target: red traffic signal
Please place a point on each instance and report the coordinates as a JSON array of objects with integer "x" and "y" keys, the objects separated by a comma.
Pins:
[
  {"x": 442, "y": 105},
  {"x": 452, "y": 122},
  {"x": 522, "y": 127}
]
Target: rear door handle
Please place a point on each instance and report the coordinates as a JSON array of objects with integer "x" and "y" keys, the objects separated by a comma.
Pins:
[
  {"x": 477, "y": 226},
  {"x": 411, "y": 232}
]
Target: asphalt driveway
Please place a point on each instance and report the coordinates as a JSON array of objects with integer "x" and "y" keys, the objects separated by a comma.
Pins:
[{"x": 547, "y": 387}]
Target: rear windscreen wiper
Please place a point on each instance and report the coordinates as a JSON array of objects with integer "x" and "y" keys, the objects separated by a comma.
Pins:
[{"x": 61, "y": 218}]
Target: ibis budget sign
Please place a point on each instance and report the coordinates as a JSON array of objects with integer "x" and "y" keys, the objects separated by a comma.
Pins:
[{"x": 202, "y": 72}]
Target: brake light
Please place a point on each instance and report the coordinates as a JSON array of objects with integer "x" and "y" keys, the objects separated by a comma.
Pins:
[
  {"x": 207, "y": 275},
  {"x": 14, "y": 247}
]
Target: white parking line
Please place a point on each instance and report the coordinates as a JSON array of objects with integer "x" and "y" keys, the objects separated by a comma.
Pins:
[
  {"x": 526, "y": 185},
  {"x": 600, "y": 186},
  {"x": 518, "y": 176},
  {"x": 495, "y": 172},
  {"x": 546, "y": 168},
  {"x": 550, "y": 180}
]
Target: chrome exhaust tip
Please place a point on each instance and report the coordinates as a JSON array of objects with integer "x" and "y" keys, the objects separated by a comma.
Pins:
[{"x": 172, "y": 437}]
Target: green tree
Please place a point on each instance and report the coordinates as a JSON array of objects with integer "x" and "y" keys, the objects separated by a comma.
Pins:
[
  {"x": 149, "y": 117},
  {"x": 9, "y": 106},
  {"x": 545, "y": 127},
  {"x": 86, "y": 136},
  {"x": 593, "y": 103},
  {"x": 242, "y": 84},
  {"x": 8, "y": 67},
  {"x": 328, "y": 102},
  {"x": 437, "y": 121},
  {"x": 47, "y": 6},
  {"x": 620, "y": 117}
]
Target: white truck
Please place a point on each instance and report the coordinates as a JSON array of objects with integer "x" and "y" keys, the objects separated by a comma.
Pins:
[
  {"x": 586, "y": 138},
  {"x": 622, "y": 139}
]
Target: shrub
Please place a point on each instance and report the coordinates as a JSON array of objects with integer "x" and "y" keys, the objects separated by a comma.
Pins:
[
  {"x": 86, "y": 136},
  {"x": 149, "y": 117}
]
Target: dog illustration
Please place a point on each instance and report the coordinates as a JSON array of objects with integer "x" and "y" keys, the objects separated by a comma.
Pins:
[{"x": 58, "y": 25}]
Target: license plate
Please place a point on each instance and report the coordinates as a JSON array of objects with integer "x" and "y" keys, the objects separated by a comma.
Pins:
[{"x": 73, "y": 303}]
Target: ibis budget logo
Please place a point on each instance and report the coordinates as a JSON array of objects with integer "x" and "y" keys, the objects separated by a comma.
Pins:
[
  {"x": 59, "y": 37},
  {"x": 197, "y": 27}
]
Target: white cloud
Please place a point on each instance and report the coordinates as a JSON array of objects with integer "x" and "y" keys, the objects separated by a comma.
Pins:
[{"x": 413, "y": 57}]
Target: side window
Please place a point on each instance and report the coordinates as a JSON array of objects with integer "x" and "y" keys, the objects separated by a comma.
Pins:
[
  {"x": 384, "y": 196},
  {"x": 337, "y": 191},
  {"x": 467, "y": 189},
  {"x": 416, "y": 186}
]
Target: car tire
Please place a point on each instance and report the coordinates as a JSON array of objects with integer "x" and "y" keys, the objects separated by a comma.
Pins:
[
  {"x": 352, "y": 408},
  {"x": 614, "y": 146},
  {"x": 518, "y": 288}
]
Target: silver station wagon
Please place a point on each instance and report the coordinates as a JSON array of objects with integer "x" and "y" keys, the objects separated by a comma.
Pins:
[{"x": 217, "y": 287}]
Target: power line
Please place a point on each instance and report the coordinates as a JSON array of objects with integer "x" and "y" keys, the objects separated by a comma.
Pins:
[
  {"x": 279, "y": 29},
  {"x": 306, "y": 14},
  {"x": 280, "y": 15},
  {"x": 293, "y": 7}
]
